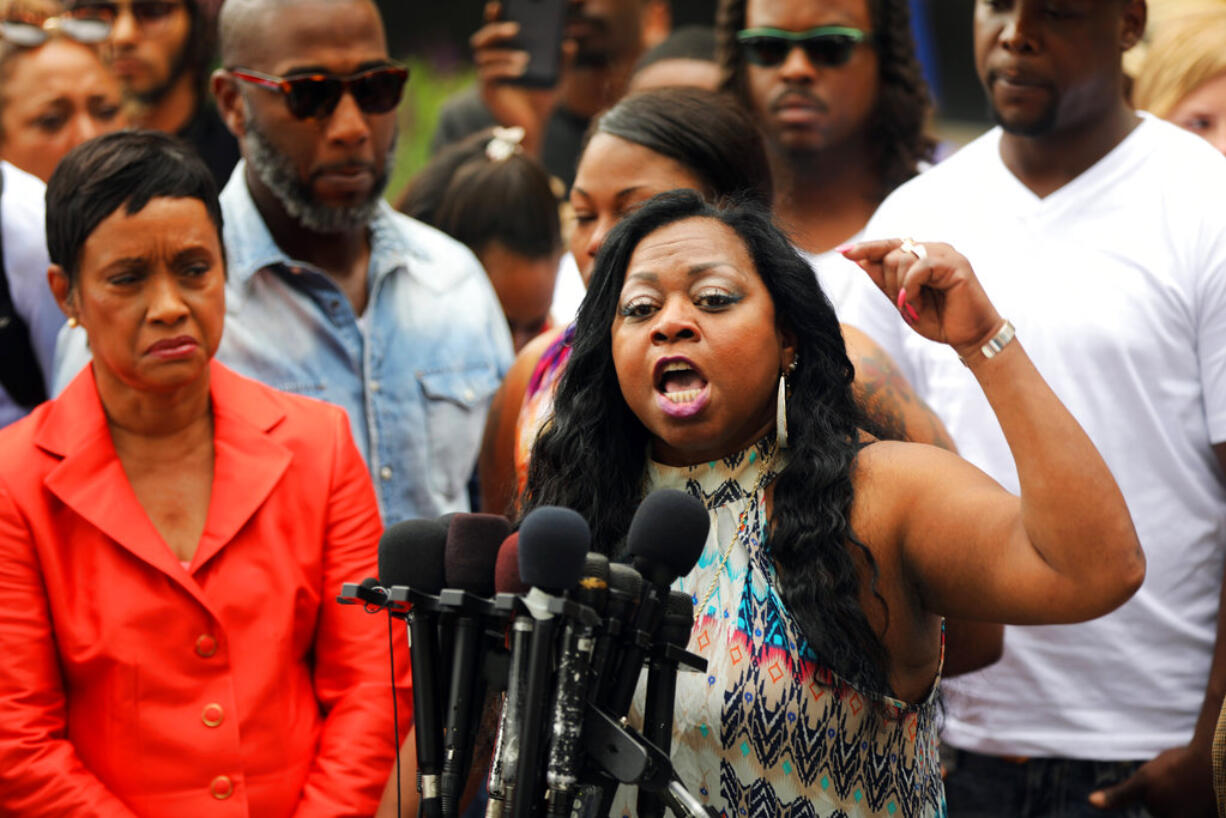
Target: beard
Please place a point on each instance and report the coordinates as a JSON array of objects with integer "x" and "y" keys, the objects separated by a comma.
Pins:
[
  {"x": 1033, "y": 127},
  {"x": 279, "y": 175},
  {"x": 150, "y": 97}
]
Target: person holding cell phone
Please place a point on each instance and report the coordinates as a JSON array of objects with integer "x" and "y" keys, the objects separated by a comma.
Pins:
[{"x": 549, "y": 67}]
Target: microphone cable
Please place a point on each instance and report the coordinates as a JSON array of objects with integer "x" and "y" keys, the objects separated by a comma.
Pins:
[
  {"x": 391, "y": 658},
  {"x": 372, "y": 608}
]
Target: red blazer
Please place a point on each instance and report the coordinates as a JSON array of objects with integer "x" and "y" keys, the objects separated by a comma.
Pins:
[{"x": 130, "y": 685}]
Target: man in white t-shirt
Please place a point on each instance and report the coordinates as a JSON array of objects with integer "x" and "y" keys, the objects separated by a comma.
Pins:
[{"x": 1101, "y": 234}]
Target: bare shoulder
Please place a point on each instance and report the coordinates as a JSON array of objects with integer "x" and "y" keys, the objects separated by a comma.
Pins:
[{"x": 516, "y": 382}]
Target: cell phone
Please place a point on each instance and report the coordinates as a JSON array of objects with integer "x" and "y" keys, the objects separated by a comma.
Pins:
[{"x": 541, "y": 25}]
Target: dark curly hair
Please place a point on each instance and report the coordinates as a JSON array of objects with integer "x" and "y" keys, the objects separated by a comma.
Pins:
[
  {"x": 592, "y": 457},
  {"x": 896, "y": 129}
]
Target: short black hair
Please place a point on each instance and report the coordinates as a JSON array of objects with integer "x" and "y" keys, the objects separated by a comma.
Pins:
[
  {"x": 476, "y": 198},
  {"x": 702, "y": 131},
  {"x": 685, "y": 43},
  {"x": 122, "y": 169}
]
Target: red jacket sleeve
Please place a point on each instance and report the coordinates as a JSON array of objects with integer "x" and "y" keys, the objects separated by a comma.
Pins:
[
  {"x": 352, "y": 672},
  {"x": 40, "y": 772}
]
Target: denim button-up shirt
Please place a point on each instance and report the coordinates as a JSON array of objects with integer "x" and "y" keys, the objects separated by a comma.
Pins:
[
  {"x": 415, "y": 373},
  {"x": 416, "y": 384}
]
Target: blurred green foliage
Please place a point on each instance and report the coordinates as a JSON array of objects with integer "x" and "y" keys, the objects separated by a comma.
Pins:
[{"x": 418, "y": 115}]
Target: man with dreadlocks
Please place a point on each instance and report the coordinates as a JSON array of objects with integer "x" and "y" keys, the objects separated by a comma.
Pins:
[
  {"x": 838, "y": 89},
  {"x": 161, "y": 50}
]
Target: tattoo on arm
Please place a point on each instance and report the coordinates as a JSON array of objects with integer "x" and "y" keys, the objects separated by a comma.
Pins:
[{"x": 890, "y": 402}]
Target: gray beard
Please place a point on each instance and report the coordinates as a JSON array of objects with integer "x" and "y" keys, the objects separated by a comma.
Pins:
[{"x": 278, "y": 174}]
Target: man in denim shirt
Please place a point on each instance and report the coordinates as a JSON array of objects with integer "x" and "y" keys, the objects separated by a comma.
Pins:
[{"x": 331, "y": 293}]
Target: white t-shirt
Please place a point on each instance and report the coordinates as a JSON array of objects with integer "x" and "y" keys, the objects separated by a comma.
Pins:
[
  {"x": 1117, "y": 286},
  {"x": 568, "y": 292},
  {"x": 25, "y": 264}
]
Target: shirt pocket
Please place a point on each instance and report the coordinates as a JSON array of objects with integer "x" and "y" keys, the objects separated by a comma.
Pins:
[{"x": 457, "y": 400}]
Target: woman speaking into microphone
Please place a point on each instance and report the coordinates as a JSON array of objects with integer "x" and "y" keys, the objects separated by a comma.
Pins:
[
  {"x": 706, "y": 358},
  {"x": 172, "y": 538}
]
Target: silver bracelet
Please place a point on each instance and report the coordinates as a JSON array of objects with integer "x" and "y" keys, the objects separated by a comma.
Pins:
[{"x": 995, "y": 344}]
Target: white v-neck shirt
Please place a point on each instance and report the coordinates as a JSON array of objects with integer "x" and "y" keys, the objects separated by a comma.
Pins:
[{"x": 1117, "y": 286}]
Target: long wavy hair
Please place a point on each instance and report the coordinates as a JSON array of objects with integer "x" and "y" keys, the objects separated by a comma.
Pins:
[
  {"x": 592, "y": 458},
  {"x": 896, "y": 129}
]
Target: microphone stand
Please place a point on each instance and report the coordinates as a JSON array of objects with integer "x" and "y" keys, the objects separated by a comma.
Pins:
[{"x": 628, "y": 758}]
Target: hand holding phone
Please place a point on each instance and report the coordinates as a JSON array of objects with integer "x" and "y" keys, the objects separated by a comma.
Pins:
[{"x": 519, "y": 63}]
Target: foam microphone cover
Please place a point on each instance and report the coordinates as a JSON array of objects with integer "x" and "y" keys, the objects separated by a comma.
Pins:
[
  {"x": 473, "y": 541},
  {"x": 625, "y": 579},
  {"x": 678, "y": 619},
  {"x": 553, "y": 543},
  {"x": 506, "y": 569},
  {"x": 411, "y": 553},
  {"x": 667, "y": 534}
]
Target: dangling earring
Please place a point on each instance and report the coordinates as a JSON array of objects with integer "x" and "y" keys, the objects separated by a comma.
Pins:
[
  {"x": 781, "y": 407},
  {"x": 73, "y": 323}
]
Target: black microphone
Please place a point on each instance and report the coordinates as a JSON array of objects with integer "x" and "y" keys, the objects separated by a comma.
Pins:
[
  {"x": 501, "y": 783},
  {"x": 570, "y": 695},
  {"x": 671, "y": 638},
  {"x": 471, "y": 551},
  {"x": 625, "y": 587},
  {"x": 553, "y": 544},
  {"x": 411, "y": 555},
  {"x": 666, "y": 537}
]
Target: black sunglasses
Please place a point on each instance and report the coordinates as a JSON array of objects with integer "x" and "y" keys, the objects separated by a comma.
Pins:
[
  {"x": 826, "y": 46},
  {"x": 145, "y": 11},
  {"x": 314, "y": 96}
]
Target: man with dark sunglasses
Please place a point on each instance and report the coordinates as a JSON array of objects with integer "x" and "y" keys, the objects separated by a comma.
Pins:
[
  {"x": 160, "y": 50},
  {"x": 331, "y": 292},
  {"x": 838, "y": 89}
]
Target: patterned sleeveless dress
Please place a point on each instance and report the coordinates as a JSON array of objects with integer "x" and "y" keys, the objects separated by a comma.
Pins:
[{"x": 766, "y": 731}]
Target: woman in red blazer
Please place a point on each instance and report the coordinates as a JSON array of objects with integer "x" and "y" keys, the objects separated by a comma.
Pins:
[{"x": 172, "y": 540}]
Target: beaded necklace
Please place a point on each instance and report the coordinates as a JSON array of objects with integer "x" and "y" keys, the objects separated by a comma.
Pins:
[{"x": 742, "y": 525}]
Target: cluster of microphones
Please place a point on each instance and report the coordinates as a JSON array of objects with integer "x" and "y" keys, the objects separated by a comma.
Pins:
[{"x": 554, "y": 639}]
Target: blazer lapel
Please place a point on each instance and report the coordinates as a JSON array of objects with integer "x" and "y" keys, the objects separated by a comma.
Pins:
[
  {"x": 90, "y": 479},
  {"x": 247, "y": 462}
]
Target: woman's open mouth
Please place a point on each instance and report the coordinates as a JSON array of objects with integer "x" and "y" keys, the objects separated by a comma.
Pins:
[{"x": 681, "y": 389}]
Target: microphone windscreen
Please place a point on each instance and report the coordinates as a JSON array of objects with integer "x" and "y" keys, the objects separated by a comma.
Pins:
[
  {"x": 506, "y": 569},
  {"x": 411, "y": 553},
  {"x": 472, "y": 549},
  {"x": 625, "y": 579},
  {"x": 553, "y": 543},
  {"x": 668, "y": 532},
  {"x": 678, "y": 619}
]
